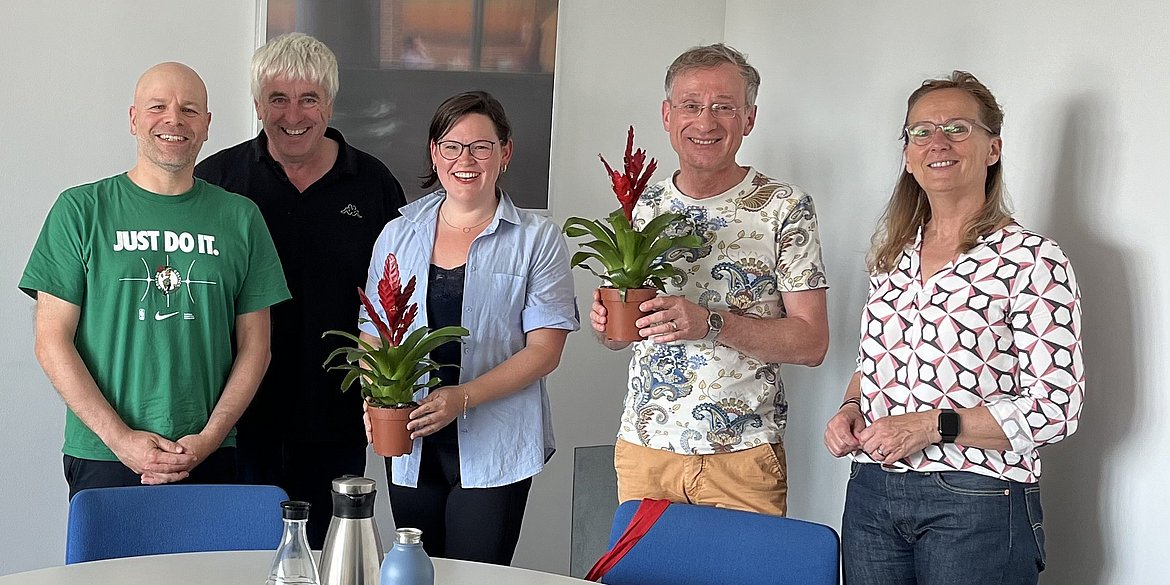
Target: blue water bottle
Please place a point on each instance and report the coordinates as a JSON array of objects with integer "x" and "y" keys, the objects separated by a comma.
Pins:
[{"x": 407, "y": 563}]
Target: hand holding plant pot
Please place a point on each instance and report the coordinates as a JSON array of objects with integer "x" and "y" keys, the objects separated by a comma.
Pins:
[
  {"x": 390, "y": 372},
  {"x": 633, "y": 261}
]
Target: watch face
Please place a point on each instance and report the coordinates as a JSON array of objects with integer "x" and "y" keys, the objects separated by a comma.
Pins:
[
  {"x": 948, "y": 425},
  {"x": 714, "y": 325}
]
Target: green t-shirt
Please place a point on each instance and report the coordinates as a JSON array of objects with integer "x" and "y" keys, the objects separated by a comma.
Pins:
[{"x": 160, "y": 281}]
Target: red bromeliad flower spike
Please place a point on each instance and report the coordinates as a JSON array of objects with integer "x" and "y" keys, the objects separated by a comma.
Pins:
[
  {"x": 405, "y": 317},
  {"x": 628, "y": 186},
  {"x": 389, "y": 287},
  {"x": 379, "y": 324},
  {"x": 393, "y": 299}
]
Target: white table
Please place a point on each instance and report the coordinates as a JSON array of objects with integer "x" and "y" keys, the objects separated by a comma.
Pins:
[{"x": 248, "y": 568}]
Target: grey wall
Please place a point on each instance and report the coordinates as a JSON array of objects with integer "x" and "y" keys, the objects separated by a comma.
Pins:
[{"x": 1085, "y": 87}]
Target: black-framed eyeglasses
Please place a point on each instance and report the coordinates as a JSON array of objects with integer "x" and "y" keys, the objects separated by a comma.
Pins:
[
  {"x": 453, "y": 149},
  {"x": 694, "y": 110},
  {"x": 955, "y": 130}
]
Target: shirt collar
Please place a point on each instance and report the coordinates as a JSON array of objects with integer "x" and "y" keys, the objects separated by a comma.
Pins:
[
  {"x": 425, "y": 211},
  {"x": 991, "y": 238},
  {"x": 346, "y": 162}
]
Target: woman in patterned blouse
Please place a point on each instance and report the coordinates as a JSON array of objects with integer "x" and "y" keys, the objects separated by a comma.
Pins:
[{"x": 969, "y": 361}]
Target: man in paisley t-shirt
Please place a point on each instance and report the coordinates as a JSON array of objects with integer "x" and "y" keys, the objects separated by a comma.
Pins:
[{"x": 705, "y": 408}]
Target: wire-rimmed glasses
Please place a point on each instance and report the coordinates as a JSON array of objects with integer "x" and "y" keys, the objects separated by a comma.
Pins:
[
  {"x": 955, "y": 130},
  {"x": 694, "y": 110}
]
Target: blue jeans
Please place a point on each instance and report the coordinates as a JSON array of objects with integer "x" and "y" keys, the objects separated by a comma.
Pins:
[{"x": 950, "y": 527}]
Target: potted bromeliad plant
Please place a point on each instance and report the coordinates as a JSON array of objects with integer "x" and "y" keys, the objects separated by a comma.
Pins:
[
  {"x": 391, "y": 372},
  {"x": 632, "y": 261}
]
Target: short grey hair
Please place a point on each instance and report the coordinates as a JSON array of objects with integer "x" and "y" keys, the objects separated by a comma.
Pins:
[
  {"x": 295, "y": 56},
  {"x": 709, "y": 56}
]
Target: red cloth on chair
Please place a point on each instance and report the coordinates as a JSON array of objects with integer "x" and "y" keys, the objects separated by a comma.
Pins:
[{"x": 646, "y": 515}]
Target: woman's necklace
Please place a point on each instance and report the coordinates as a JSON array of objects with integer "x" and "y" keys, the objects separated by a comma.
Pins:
[{"x": 466, "y": 230}]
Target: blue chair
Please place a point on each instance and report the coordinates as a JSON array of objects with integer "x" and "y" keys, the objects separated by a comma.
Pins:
[
  {"x": 108, "y": 523},
  {"x": 702, "y": 545}
]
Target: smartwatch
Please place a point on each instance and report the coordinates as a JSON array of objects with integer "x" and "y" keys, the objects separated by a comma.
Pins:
[
  {"x": 948, "y": 425},
  {"x": 714, "y": 325}
]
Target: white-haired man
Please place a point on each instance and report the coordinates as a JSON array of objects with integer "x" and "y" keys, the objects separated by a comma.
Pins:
[{"x": 325, "y": 203}]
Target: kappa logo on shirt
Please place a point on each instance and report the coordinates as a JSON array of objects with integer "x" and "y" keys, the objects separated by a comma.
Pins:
[{"x": 351, "y": 210}]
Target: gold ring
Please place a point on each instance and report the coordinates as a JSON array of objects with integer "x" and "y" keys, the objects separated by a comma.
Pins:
[{"x": 673, "y": 325}]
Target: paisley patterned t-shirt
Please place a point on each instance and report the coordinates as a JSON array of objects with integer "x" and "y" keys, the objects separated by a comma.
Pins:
[{"x": 760, "y": 239}]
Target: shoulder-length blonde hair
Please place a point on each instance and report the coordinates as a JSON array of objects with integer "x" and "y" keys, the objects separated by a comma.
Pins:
[{"x": 908, "y": 208}]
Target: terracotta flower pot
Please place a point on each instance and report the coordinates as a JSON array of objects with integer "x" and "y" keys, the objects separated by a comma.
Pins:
[
  {"x": 388, "y": 426},
  {"x": 621, "y": 315}
]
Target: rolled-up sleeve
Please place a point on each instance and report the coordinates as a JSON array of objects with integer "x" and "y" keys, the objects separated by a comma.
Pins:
[
  {"x": 549, "y": 300},
  {"x": 1045, "y": 320}
]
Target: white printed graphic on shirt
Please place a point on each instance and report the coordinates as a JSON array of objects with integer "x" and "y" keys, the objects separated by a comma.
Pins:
[{"x": 166, "y": 279}]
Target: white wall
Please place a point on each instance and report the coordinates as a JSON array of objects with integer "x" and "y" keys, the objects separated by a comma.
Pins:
[
  {"x": 69, "y": 68},
  {"x": 1086, "y": 140},
  {"x": 1086, "y": 143}
]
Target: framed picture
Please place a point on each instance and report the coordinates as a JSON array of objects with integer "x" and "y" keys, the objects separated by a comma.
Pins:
[{"x": 399, "y": 59}]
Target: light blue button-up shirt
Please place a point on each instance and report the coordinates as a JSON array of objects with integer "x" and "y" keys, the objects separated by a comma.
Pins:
[{"x": 517, "y": 280}]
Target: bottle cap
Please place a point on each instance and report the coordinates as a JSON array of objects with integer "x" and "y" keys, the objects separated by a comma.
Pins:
[
  {"x": 408, "y": 536},
  {"x": 352, "y": 484},
  {"x": 294, "y": 510}
]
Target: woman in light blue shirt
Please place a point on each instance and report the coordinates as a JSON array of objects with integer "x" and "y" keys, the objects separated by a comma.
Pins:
[{"x": 503, "y": 273}]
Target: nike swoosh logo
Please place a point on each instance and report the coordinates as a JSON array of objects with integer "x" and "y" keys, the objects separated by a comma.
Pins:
[{"x": 159, "y": 316}]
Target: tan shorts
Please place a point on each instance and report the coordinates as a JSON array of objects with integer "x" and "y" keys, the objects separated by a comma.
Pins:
[{"x": 754, "y": 479}]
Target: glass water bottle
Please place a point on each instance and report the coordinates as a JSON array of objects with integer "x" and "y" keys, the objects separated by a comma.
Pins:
[{"x": 294, "y": 564}]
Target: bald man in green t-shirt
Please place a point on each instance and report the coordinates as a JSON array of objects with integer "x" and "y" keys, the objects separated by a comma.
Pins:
[{"x": 144, "y": 281}]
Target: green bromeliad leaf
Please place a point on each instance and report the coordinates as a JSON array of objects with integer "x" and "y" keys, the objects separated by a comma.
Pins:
[
  {"x": 390, "y": 375},
  {"x": 626, "y": 257}
]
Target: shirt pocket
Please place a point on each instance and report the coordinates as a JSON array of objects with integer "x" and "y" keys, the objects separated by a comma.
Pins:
[{"x": 504, "y": 305}]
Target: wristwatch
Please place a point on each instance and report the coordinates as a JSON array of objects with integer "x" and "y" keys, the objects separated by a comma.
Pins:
[
  {"x": 948, "y": 425},
  {"x": 714, "y": 325}
]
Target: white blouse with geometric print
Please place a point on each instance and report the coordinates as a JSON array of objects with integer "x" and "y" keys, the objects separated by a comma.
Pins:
[
  {"x": 760, "y": 239},
  {"x": 1000, "y": 326}
]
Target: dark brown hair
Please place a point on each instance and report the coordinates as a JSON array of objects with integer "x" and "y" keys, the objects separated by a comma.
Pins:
[{"x": 454, "y": 109}]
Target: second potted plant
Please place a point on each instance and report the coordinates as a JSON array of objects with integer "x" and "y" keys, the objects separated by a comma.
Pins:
[
  {"x": 391, "y": 372},
  {"x": 633, "y": 262}
]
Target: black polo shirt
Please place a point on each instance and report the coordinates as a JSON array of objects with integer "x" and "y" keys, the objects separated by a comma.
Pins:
[{"x": 324, "y": 237}]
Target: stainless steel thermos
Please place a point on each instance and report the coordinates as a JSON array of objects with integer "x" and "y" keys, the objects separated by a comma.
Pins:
[{"x": 353, "y": 550}]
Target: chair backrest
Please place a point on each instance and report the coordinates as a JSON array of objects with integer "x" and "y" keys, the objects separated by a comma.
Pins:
[
  {"x": 700, "y": 545},
  {"x": 594, "y": 502},
  {"x": 106, "y": 523}
]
